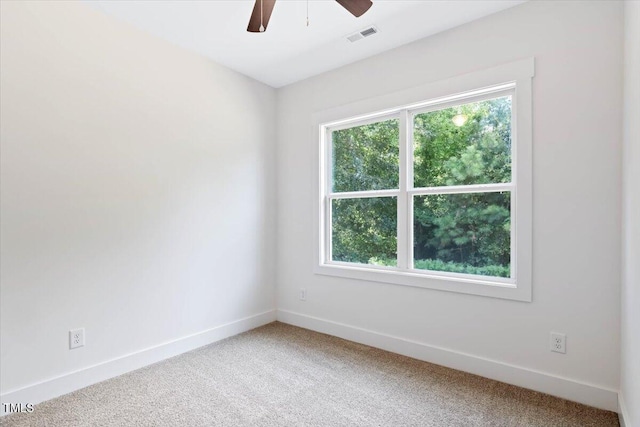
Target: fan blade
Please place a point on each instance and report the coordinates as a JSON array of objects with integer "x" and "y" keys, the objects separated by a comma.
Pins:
[
  {"x": 356, "y": 7},
  {"x": 264, "y": 8}
]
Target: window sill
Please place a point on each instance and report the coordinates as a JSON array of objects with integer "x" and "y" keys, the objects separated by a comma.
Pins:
[{"x": 481, "y": 286}]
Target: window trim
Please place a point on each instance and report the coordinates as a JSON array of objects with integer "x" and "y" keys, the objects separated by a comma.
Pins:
[{"x": 509, "y": 79}]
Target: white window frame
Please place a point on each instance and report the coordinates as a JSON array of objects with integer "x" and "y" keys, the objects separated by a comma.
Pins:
[{"x": 513, "y": 79}]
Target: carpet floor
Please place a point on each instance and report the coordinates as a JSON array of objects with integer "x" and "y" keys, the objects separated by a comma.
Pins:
[{"x": 281, "y": 375}]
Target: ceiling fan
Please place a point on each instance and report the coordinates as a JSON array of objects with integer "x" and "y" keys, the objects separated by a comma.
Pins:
[{"x": 262, "y": 12}]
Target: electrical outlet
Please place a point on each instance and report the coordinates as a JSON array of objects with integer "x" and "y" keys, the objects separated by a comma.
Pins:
[
  {"x": 76, "y": 338},
  {"x": 303, "y": 294},
  {"x": 558, "y": 342}
]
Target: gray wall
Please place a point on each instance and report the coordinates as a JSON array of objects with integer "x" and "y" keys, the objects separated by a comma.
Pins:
[
  {"x": 138, "y": 185},
  {"x": 630, "y": 366},
  {"x": 577, "y": 102}
]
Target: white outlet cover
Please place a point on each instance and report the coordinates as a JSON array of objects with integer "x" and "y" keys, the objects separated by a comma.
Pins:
[
  {"x": 76, "y": 338},
  {"x": 558, "y": 342}
]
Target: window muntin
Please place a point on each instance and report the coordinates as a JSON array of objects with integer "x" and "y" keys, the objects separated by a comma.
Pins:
[{"x": 462, "y": 210}]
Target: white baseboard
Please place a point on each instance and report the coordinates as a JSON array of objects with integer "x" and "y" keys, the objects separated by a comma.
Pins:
[
  {"x": 84, "y": 377},
  {"x": 565, "y": 388},
  {"x": 623, "y": 416}
]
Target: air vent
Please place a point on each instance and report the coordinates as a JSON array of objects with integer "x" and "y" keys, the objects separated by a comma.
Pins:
[{"x": 362, "y": 34}]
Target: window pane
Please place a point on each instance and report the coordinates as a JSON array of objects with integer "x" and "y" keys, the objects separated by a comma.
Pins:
[
  {"x": 366, "y": 157},
  {"x": 467, "y": 144},
  {"x": 463, "y": 233},
  {"x": 364, "y": 230}
]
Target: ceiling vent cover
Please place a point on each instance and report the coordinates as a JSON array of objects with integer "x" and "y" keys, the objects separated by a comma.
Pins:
[{"x": 362, "y": 34}]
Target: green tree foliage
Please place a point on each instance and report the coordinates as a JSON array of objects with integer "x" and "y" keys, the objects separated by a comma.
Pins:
[
  {"x": 478, "y": 152},
  {"x": 364, "y": 229},
  {"x": 466, "y": 229},
  {"x": 365, "y": 158},
  {"x": 467, "y": 233}
]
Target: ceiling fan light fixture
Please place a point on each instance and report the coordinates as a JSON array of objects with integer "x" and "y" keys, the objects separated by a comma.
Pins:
[
  {"x": 259, "y": 21},
  {"x": 261, "y": 13}
]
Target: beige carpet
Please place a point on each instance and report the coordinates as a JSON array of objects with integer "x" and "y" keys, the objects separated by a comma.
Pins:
[{"x": 280, "y": 375}]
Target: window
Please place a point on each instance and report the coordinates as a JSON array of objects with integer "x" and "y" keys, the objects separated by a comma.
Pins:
[{"x": 434, "y": 194}]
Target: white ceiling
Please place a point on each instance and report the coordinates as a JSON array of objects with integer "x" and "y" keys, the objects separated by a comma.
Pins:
[{"x": 290, "y": 51}]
